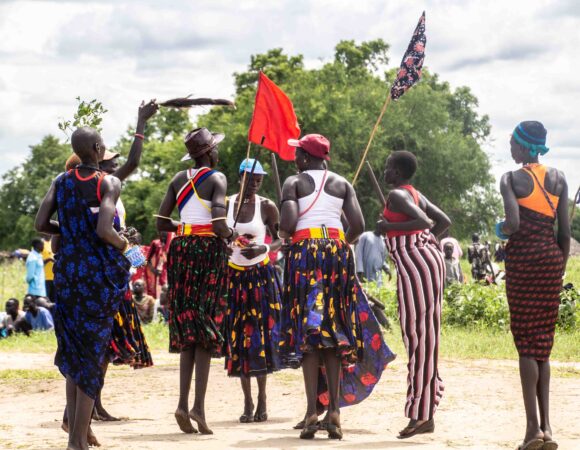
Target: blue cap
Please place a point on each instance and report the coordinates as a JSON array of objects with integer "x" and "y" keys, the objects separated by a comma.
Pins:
[{"x": 247, "y": 165}]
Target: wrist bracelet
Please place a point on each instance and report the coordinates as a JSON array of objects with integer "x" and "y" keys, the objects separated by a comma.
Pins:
[
  {"x": 267, "y": 248},
  {"x": 140, "y": 136},
  {"x": 124, "y": 249},
  {"x": 231, "y": 234}
]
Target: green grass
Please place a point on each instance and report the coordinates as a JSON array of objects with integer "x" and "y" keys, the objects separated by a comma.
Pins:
[
  {"x": 458, "y": 343},
  {"x": 12, "y": 283},
  {"x": 29, "y": 374},
  {"x": 462, "y": 343}
]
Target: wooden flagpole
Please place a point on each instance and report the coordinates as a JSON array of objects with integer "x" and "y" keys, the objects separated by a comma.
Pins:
[
  {"x": 243, "y": 180},
  {"x": 276, "y": 176},
  {"x": 242, "y": 190},
  {"x": 375, "y": 128},
  {"x": 576, "y": 200}
]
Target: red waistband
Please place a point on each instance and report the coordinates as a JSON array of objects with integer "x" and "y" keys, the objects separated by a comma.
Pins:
[
  {"x": 317, "y": 233},
  {"x": 186, "y": 229}
]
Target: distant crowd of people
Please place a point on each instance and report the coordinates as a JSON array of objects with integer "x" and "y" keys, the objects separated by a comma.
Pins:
[
  {"x": 35, "y": 312},
  {"x": 149, "y": 283}
]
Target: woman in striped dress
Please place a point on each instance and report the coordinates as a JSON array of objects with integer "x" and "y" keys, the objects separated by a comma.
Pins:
[
  {"x": 535, "y": 263},
  {"x": 412, "y": 224}
]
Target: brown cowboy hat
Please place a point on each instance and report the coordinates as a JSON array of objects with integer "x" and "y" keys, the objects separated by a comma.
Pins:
[{"x": 200, "y": 141}]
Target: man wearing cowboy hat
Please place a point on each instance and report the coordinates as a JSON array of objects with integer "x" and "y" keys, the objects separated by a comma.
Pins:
[{"x": 196, "y": 269}]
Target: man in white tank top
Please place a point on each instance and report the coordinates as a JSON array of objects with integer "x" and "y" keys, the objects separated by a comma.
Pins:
[{"x": 319, "y": 270}]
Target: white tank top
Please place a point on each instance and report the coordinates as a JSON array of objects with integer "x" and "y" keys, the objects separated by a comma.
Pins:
[
  {"x": 256, "y": 228},
  {"x": 121, "y": 213},
  {"x": 326, "y": 210},
  {"x": 196, "y": 210}
]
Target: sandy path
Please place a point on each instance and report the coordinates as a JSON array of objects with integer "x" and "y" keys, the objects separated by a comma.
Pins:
[{"x": 481, "y": 410}]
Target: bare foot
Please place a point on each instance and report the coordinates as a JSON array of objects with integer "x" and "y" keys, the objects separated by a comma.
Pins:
[
  {"x": 533, "y": 435},
  {"x": 92, "y": 439},
  {"x": 99, "y": 413},
  {"x": 199, "y": 417},
  {"x": 183, "y": 421},
  {"x": 547, "y": 430},
  {"x": 64, "y": 427}
]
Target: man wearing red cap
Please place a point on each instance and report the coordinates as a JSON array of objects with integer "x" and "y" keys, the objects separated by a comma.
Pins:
[
  {"x": 326, "y": 317},
  {"x": 197, "y": 265}
]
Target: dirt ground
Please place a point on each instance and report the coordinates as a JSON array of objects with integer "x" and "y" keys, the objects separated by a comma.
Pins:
[{"x": 481, "y": 409}]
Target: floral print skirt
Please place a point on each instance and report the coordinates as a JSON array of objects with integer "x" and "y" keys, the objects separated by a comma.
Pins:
[
  {"x": 128, "y": 344},
  {"x": 325, "y": 307},
  {"x": 252, "y": 324}
]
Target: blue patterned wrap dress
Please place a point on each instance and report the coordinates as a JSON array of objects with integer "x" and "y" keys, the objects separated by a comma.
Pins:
[{"x": 90, "y": 278}]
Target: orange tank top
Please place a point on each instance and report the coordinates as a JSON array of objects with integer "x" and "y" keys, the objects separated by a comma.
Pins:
[{"x": 537, "y": 201}]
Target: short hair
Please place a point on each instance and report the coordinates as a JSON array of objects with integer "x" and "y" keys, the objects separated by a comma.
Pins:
[
  {"x": 448, "y": 244},
  {"x": 405, "y": 162},
  {"x": 37, "y": 241},
  {"x": 13, "y": 300}
]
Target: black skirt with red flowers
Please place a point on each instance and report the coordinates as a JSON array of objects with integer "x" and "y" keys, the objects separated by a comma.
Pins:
[{"x": 197, "y": 277}]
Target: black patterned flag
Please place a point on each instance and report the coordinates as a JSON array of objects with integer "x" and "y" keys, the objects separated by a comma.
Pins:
[{"x": 410, "y": 70}]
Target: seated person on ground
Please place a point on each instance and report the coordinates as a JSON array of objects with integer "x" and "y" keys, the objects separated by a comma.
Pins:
[
  {"x": 38, "y": 317},
  {"x": 145, "y": 303},
  {"x": 14, "y": 320}
]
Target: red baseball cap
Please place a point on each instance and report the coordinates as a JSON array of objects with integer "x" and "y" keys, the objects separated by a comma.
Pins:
[{"x": 313, "y": 144}]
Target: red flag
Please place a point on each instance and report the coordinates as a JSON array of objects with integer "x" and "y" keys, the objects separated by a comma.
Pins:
[{"x": 274, "y": 120}]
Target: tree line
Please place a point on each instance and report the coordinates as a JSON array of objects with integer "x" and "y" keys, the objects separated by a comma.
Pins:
[{"x": 341, "y": 100}]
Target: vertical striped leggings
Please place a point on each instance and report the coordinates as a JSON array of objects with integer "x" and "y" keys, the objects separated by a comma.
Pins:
[{"x": 420, "y": 274}]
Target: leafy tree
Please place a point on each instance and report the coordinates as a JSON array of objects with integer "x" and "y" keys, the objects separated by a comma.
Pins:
[
  {"x": 342, "y": 100},
  {"x": 24, "y": 187}
]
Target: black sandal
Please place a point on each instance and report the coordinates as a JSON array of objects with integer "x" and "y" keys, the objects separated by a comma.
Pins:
[
  {"x": 533, "y": 444},
  {"x": 246, "y": 418},
  {"x": 334, "y": 432},
  {"x": 261, "y": 417},
  {"x": 425, "y": 427},
  {"x": 309, "y": 431}
]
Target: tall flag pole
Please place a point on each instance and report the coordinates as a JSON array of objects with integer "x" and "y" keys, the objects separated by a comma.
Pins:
[{"x": 409, "y": 73}]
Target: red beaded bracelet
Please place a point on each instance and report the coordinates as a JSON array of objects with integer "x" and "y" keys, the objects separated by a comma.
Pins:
[{"x": 137, "y": 135}]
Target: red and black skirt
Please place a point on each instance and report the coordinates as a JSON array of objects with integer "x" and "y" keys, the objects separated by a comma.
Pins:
[
  {"x": 534, "y": 268},
  {"x": 197, "y": 279}
]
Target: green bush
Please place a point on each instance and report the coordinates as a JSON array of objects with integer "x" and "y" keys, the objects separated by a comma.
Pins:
[
  {"x": 569, "y": 311},
  {"x": 475, "y": 305}
]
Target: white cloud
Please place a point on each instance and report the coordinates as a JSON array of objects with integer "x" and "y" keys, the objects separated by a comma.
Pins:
[{"x": 518, "y": 57}]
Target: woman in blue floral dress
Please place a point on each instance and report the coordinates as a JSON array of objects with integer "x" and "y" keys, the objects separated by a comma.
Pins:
[{"x": 91, "y": 275}]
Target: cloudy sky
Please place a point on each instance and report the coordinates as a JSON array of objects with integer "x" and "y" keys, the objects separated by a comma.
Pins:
[{"x": 520, "y": 57}]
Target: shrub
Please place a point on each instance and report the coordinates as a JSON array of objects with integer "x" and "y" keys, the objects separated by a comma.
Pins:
[
  {"x": 569, "y": 311},
  {"x": 475, "y": 305}
]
